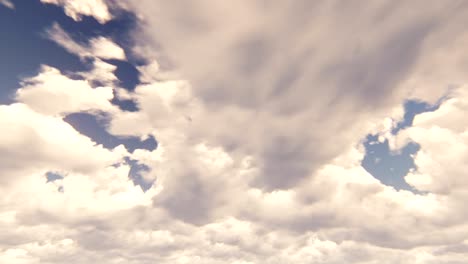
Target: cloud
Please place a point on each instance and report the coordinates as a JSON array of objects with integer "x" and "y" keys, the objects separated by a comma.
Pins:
[
  {"x": 7, "y": 3},
  {"x": 259, "y": 150},
  {"x": 45, "y": 142},
  {"x": 285, "y": 78},
  {"x": 99, "y": 47},
  {"x": 46, "y": 93},
  {"x": 331, "y": 200},
  {"x": 444, "y": 146},
  {"x": 101, "y": 212},
  {"x": 78, "y": 8},
  {"x": 287, "y": 106},
  {"x": 104, "y": 48}
]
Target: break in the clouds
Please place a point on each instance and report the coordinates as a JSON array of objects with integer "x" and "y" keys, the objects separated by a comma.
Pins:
[{"x": 239, "y": 132}]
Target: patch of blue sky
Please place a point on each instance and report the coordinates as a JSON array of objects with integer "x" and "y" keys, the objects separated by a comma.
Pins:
[
  {"x": 390, "y": 167},
  {"x": 128, "y": 77},
  {"x": 53, "y": 176},
  {"x": 136, "y": 172},
  {"x": 95, "y": 128},
  {"x": 387, "y": 166},
  {"x": 24, "y": 46},
  {"x": 413, "y": 108}
]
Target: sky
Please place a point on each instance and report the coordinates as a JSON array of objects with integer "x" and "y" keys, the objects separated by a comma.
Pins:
[{"x": 240, "y": 132}]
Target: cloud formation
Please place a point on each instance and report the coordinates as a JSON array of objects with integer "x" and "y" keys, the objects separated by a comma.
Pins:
[
  {"x": 259, "y": 144},
  {"x": 78, "y": 8},
  {"x": 7, "y": 3},
  {"x": 284, "y": 88},
  {"x": 99, "y": 47},
  {"x": 46, "y": 93}
]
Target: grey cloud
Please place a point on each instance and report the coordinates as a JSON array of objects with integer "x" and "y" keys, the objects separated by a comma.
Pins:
[
  {"x": 291, "y": 85},
  {"x": 371, "y": 76},
  {"x": 325, "y": 63},
  {"x": 188, "y": 199}
]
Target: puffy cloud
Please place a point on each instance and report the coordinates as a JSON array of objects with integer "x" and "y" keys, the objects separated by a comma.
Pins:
[
  {"x": 277, "y": 101},
  {"x": 442, "y": 135},
  {"x": 282, "y": 88},
  {"x": 39, "y": 216},
  {"x": 333, "y": 200},
  {"x": 78, "y": 8},
  {"x": 52, "y": 93},
  {"x": 37, "y": 142},
  {"x": 259, "y": 152}
]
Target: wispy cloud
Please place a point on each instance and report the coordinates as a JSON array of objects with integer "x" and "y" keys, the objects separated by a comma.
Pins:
[
  {"x": 99, "y": 47},
  {"x": 7, "y": 3},
  {"x": 78, "y": 8}
]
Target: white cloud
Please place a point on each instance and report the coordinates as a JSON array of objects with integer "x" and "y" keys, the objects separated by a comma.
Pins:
[
  {"x": 286, "y": 106},
  {"x": 102, "y": 72},
  {"x": 52, "y": 93},
  {"x": 78, "y": 8},
  {"x": 443, "y": 137},
  {"x": 45, "y": 142},
  {"x": 99, "y": 47},
  {"x": 104, "y": 48},
  {"x": 259, "y": 153},
  {"x": 38, "y": 217},
  {"x": 7, "y": 3},
  {"x": 281, "y": 76}
]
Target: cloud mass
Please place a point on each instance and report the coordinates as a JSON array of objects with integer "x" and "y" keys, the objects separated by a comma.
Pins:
[{"x": 261, "y": 112}]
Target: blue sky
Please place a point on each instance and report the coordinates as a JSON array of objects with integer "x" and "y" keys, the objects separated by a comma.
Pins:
[{"x": 234, "y": 132}]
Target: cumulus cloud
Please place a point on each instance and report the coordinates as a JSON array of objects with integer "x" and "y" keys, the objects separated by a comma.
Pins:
[
  {"x": 78, "y": 8},
  {"x": 259, "y": 148},
  {"x": 284, "y": 89},
  {"x": 442, "y": 135},
  {"x": 52, "y": 93},
  {"x": 36, "y": 142}
]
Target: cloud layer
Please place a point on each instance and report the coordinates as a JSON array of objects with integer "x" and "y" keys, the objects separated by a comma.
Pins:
[{"x": 259, "y": 138}]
